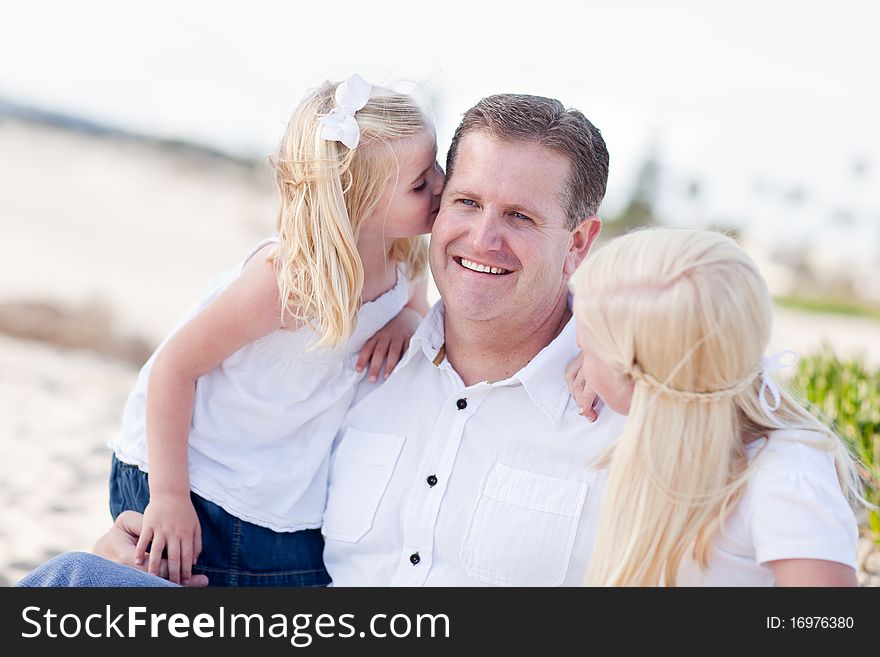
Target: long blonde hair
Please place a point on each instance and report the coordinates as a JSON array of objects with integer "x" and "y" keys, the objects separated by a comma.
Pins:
[
  {"x": 686, "y": 315},
  {"x": 326, "y": 191}
]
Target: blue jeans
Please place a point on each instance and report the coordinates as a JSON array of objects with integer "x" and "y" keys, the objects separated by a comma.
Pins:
[
  {"x": 80, "y": 569},
  {"x": 234, "y": 552}
]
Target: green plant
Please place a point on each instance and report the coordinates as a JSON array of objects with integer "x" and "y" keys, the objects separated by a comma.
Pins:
[
  {"x": 847, "y": 396},
  {"x": 836, "y": 306}
]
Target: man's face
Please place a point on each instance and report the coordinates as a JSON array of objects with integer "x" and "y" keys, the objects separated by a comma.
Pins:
[{"x": 500, "y": 248}]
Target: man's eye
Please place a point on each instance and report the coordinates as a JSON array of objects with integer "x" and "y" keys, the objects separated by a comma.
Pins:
[
  {"x": 466, "y": 201},
  {"x": 520, "y": 215},
  {"x": 421, "y": 186}
]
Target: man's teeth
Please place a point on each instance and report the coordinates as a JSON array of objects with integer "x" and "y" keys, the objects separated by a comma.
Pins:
[{"x": 476, "y": 266}]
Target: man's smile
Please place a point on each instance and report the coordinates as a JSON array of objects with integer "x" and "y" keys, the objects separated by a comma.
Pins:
[{"x": 480, "y": 268}]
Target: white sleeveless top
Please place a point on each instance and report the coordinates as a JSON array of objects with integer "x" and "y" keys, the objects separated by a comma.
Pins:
[{"x": 264, "y": 420}]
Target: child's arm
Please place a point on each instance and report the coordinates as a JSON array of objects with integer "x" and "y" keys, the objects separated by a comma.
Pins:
[
  {"x": 392, "y": 339},
  {"x": 247, "y": 310},
  {"x": 418, "y": 297},
  {"x": 812, "y": 572}
]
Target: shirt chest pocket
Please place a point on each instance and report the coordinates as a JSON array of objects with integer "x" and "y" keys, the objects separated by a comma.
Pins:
[
  {"x": 362, "y": 467},
  {"x": 523, "y": 528}
]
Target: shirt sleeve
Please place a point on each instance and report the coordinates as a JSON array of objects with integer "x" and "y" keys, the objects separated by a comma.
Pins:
[{"x": 800, "y": 512}]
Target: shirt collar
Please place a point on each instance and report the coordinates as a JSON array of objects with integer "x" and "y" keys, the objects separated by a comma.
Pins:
[
  {"x": 543, "y": 377},
  {"x": 429, "y": 336}
]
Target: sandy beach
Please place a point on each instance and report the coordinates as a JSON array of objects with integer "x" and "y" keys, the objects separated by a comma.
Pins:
[
  {"x": 104, "y": 244},
  {"x": 60, "y": 407}
]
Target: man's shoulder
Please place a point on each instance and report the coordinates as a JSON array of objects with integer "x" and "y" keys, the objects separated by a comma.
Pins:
[{"x": 409, "y": 382}]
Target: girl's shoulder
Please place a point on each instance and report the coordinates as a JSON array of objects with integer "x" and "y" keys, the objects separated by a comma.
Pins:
[
  {"x": 791, "y": 443},
  {"x": 796, "y": 459},
  {"x": 259, "y": 274},
  {"x": 794, "y": 506}
]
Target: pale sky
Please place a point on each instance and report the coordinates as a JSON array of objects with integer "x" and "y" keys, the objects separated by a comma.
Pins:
[{"x": 726, "y": 92}]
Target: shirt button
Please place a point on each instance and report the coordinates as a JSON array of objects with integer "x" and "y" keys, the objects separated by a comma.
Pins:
[
  {"x": 414, "y": 558},
  {"x": 462, "y": 404},
  {"x": 432, "y": 480}
]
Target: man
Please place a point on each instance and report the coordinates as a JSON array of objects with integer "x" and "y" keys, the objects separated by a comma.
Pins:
[{"x": 469, "y": 465}]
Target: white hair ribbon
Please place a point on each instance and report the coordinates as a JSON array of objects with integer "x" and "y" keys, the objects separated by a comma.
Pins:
[
  {"x": 340, "y": 124},
  {"x": 770, "y": 364}
]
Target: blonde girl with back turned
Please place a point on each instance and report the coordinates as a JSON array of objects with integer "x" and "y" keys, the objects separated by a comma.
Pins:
[
  {"x": 719, "y": 477},
  {"x": 235, "y": 414}
]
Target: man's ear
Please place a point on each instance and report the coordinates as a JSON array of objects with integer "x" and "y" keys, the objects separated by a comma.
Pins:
[{"x": 582, "y": 239}]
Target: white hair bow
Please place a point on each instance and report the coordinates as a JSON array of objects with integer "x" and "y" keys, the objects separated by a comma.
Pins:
[
  {"x": 771, "y": 364},
  {"x": 340, "y": 124}
]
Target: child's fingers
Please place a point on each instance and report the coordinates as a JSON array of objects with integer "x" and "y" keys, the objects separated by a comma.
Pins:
[
  {"x": 573, "y": 377},
  {"x": 574, "y": 365},
  {"x": 156, "y": 554},
  {"x": 395, "y": 353},
  {"x": 174, "y": 553},
  {"x": 197, "y": 544},
  {"x": 186, "y": 559},
  {"x": 140, "y": 550},
  {"x": 588, "y": 402},
  {"x": 366, "y": 352},
  {"x": 576, "y": 389},
  {"x": 571, "y": 371},
  {"x": 378, "y": 358}
]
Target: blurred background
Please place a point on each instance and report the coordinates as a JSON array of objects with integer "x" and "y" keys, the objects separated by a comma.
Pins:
[{"x": 133, "y": 145}]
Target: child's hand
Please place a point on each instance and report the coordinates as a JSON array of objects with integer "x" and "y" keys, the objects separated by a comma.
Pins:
[
  {"x": 171, "y": 524},
  {"x": 118, "y": 544},
  {"x": 390, "y": 341},
  {"x": 581, "y": 392}
]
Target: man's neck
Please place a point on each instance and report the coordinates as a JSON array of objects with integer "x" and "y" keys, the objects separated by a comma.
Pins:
[{"x": 478, "y": 351}]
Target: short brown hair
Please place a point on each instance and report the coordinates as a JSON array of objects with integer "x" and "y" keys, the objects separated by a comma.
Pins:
[{"x": 545, "y": 121}]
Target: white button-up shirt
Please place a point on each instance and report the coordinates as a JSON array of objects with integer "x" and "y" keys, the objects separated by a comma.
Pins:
[{"x": 434, "y": 483}]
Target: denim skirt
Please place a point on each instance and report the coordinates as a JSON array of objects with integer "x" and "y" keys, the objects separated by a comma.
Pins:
[{"x": 234, "y": 552}]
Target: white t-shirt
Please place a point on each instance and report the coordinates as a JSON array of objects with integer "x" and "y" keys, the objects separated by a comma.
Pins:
[
  {"x": 264, "y": 420},
  {"x": 434, "y": 483},
  {"x": 792, "y": 508}
]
